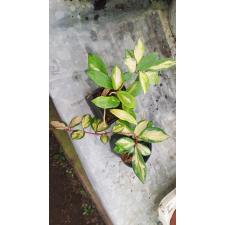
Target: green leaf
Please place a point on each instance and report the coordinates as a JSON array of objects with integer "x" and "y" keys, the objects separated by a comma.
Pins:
[
  {"x": 139, "y": 166},
  {"x": 77, "y": 134},
  {"x": 144, "y": 81},
  {"x": 139, "y": 50},
  {"x": 142, "y": 125},
  {"x": 102, "y": 126},
  {"x": 58, "y": 125},
  {"x": 147, "y": 61},
  {"x": 162, "y": 64},
  {"x": 123, "y": 115},
  {"x": 104, "y": 138},
  {"x": 127, "y": 76},
  {"x": 125, "y": 143},
  {"x": 106, "y": 102},
  {"x": 96, "y": 63},
  {"x": 135, "y": 89},
  {"x": 94, "y": 124},
  {"x": 129, "y": 110},
  {"x": 127, "y": 99},
  {"x": 130, "y": 62},
  {"x": 153, "y": 135},
  {"x": 75, "y": 121},
  {"x": 153, "y": 77},
  {"x": 101, "y": 79},
  {"x": 117, "y": 78},
  {"x": 144, "y": 150},
  {"x": 86, "y": 121}
]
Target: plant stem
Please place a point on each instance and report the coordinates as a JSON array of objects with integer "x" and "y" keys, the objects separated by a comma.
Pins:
[
  {"x": 97, "y": 133},
  {"x": 113, "y": 92},
  {"x": 100, "y": 133},
  {"x": 104, "y": 113}
]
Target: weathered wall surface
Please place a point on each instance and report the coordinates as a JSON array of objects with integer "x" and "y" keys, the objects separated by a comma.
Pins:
[{"x": 76, "y": 29}]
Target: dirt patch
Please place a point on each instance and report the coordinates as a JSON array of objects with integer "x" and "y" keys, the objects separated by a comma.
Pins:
[{"x": 69, "y": 204}]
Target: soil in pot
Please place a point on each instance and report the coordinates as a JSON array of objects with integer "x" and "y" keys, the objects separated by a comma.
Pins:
[
  {"x": 98, "y": 112},
  {"x": 127, "y": 159}
]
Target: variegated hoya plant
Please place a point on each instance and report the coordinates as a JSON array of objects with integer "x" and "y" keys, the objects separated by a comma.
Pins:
[{"x": 143, "y": 72}]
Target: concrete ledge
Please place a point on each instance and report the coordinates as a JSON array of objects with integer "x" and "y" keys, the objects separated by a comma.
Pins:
[{"x": 72, "y": 157}]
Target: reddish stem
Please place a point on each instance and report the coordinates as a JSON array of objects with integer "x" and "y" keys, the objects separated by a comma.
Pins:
[
  {"x": 97, "y": 133},
  {"x": 100, "y": 133}
]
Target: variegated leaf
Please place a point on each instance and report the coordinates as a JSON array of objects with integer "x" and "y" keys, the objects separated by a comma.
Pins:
[
  {"x": 153, "y": 77},
  {"x": 139, "y": 50},
  {"x": 125, "y": 143},
  {"x": 86, "y": 121},
  {"x": 153, "y": 134},
  {"x": 142, "y": 125},
  {"x": 117, "y": 78},
  {"x": 102, "y": 126},
  {"x": 75, "y": 121},
  {"x": 126, "y": 98},
  {"x": 123, "y": 115},
  {"x": 162, "y": 64},
  {"x": 104, "y": 138},
  {"x": 144, "y": 81},
  {"x": 144, "y": 150},
  {"x": 77, "y": 134},
  {"x": 139, "y": 166}
]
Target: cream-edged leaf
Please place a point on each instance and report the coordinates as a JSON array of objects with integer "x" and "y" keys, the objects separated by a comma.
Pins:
[
  {"x": 75, "y": 121},
  {"x": 117, "y": 128},
  {"x": 117, "y": 78},
  {"x": 123, "y": 115},
  {"x": 144, "y": 81},
  {"x": 131, "y": 64},
  {"x": 77, "y": 134},
  {"x": 122, "y": 127},
  {"x": 162, "y": 64},
  {"x": 86, "y": 121},
  {"x": 153, "y": 77},
  {"x": 94, "y": 124},
  {"x": 139, "y": 50},
  {"x": 139, "y": 166},
  {"x": 126, "y": 98},
  {"x": 129, "y": 110},
  {"x": 142, "y": 125},
  {"x": 153, "y": 134},
  {"x": 102, "y": 126},
  {"x": 104, "y": 138},
  {"x": 144, "y": 150},
  {"x": 125, "y": 143}
]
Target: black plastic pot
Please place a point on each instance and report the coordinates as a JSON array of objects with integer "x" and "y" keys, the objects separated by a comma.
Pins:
[
  {"x": 98, "y": 112},
  {"x": 116, "y": 137}
]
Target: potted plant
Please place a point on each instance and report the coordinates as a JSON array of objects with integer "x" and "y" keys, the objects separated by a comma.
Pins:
[{"x": 114, "y": 103}]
